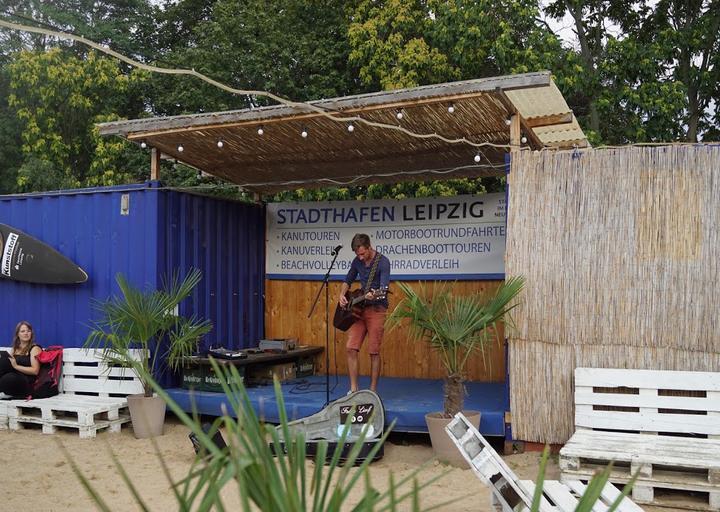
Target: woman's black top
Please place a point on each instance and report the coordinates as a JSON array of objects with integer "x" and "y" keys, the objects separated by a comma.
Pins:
[{"x": 24, "y": 360}]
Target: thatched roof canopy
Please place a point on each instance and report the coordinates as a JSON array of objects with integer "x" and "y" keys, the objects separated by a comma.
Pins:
[{"x": 330, "y": 155}]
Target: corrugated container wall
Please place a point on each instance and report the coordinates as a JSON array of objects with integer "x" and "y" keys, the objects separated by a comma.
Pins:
[
  {"x": 161, "y": 230},
  {"x": 226, "y": 241}
]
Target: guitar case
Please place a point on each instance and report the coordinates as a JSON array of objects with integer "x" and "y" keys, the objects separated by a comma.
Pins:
[{"x": 329, "y": 424}]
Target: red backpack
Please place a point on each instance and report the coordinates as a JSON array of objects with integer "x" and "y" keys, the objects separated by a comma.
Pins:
[{"x": 47, "y": 383}]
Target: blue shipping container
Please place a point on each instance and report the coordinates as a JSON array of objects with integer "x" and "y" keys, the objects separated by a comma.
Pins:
[{"x": 146, "y": 232}]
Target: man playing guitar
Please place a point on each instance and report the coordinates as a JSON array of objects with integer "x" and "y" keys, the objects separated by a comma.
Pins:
[{"x": 369, "y": 265}]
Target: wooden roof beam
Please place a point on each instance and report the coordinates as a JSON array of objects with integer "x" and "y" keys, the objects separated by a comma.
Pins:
[{"x": 553, "y": 119}]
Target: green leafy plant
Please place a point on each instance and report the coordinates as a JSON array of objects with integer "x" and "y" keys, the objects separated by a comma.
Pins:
[
  {"x": 455, "y": 326},
  {"x": 148, "y": 320},
  {"x": 266, "y": 476}
]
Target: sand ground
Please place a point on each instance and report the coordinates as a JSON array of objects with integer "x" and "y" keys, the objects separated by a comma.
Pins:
[{"x": 36, "y": 475}]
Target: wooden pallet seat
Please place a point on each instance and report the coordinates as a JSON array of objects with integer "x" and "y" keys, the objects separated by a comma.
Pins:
[
  {"x": 93, "y": 397},
  {"x": 509, "y": 494},
  {"x": 663, "y": 425}
]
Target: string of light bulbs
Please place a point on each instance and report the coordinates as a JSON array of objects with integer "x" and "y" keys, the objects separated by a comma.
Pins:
[
  {"x": 348, "y": 120},
  {"x": 361, "y": 177},
  {"x": 249, "y": 186}
]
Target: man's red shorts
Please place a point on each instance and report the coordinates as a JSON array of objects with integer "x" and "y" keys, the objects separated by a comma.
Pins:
[{"x": 372, "y": 323}]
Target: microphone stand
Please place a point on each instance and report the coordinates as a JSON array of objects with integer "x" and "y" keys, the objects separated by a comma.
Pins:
[{"x": 325, "y": 285}]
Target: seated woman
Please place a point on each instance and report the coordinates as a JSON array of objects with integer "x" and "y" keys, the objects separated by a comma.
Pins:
[{"x": 19, "y": 369}]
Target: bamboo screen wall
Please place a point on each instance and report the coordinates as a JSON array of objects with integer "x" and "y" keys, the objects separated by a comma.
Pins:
[
  {"x": 287, "y": 304},
  {"x": 621, "y": 250}
]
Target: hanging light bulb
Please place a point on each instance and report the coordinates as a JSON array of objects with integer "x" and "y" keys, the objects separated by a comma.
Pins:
[
  {"x": 180, "y": 148},
  {"x": 143, "y": 144},
  {"x": 220, "y": 143},
  {"x": 304, "y": 133},
  {"x": 477, "y": 157},
  {"x": 523, "y": 139},
  {"x": 351, "y": 127},
  {"x": 451, "y": 108},
  {"x": 260, "y": 130},
  {"x": 399, "y": 114},
  {"x": 508, "y": 121}
]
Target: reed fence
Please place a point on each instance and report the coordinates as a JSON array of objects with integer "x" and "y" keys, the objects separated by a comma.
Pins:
[{"x": 621, "y": 251}]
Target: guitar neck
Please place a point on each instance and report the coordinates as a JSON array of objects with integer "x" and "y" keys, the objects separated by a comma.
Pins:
[{"x": 377, "y": 294}]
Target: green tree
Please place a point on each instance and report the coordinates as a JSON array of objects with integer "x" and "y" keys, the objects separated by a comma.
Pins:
[
  {"x": 58, "y": 98},
  {"x": 295, "y": 48},
  {"x": 126, "y": 25},
  {"x": 404, "y": 44},
  {"x": 10, "y": 141},
  {"x": 390, "y": 45},
  {"x": 649, "y": 70},
  {"x": 688, "y": 34},
  {"x": 638, "y": 104}
]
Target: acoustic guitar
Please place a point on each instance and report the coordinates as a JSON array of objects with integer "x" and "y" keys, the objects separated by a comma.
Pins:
[{"x": 348, "y": 315}]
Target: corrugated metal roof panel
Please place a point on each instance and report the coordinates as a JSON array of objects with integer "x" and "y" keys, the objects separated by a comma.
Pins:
[
  {"x": 562, "y": 135},
  {"x": 537, "y": 102}
]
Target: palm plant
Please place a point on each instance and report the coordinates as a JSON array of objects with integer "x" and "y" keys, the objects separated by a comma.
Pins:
[
  {"x": 456, "y": 327},
  {"x": 148, "y": 320}
]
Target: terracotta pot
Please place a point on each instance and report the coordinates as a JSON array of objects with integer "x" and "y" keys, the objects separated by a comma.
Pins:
[
  {"x": 444, "y": 448},
  {"x": 147, "y": 414}
]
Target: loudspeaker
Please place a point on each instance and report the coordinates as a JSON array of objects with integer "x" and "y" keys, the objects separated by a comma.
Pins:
[{"x": 217, "y": 439}]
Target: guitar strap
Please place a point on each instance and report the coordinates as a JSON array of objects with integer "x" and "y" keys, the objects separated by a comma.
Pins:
[{"x": 376, "y": 260}]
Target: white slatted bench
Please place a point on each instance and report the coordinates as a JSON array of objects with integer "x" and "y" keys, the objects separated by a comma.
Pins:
[
  {"x": 664, "y": 424},
  {"x": 92, "y": 397},
  {"x": 512, "y": 495}
]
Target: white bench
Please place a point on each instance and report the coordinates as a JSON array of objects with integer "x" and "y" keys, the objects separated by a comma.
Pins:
[
  {"x": 92, "y": 396},
  {"x": 663, "y": 424},
  {"x": 512, "y": 495}
]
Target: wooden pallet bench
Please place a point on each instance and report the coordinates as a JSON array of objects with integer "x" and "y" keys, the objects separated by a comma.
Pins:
[
  {"x": 93, "y": 397},
  {"x": 512, "y": 495},
  {"x": 663, "y": 425}
]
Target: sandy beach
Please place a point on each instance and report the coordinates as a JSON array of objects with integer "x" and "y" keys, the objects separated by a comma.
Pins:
[{"x": 39, "y": 477}]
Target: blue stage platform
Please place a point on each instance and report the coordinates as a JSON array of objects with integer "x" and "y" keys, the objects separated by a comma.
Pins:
[{"x": 405, "y": 400}]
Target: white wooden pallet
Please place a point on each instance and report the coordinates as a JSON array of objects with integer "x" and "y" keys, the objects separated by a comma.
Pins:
[
  {"x": 667, "y": 414},
  {"x": 512, "y": 495},
  {"x": 567, "y": 495},
  {"x": 87, "y": 414},
  {"x": 93, "y": 397}
]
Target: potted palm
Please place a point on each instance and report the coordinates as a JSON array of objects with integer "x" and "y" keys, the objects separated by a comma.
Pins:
[
  {"x": 457, "y": 327},
  {"x": 147, "y": 320}
]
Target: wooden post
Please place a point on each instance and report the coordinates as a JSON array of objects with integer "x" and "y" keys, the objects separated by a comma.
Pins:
[
  {"x": 155, "y": 164},
  {"x": 515, "y": 131}
]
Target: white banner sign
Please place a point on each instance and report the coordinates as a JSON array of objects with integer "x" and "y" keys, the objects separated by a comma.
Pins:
[{"x": 460, "y": 237}]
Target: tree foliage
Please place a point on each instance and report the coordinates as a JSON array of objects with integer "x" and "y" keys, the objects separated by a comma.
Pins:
[
  {"x": 58, "y": 98},
  {"x": 405, "y": 44},
  {"x": 296, "y": 49}
]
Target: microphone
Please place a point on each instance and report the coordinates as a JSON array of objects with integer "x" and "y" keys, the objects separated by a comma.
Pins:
[{"x": 337, "y": 249}]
